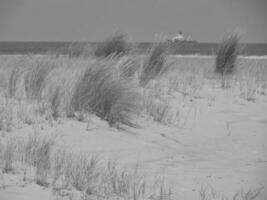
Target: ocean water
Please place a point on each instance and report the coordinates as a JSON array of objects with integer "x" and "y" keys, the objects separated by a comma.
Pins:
[{"x": 77, "y": 48}]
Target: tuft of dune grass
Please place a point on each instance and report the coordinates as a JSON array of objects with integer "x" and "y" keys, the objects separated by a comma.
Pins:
[
  {"x": 37, "y": 151},
  {"x": 101, "y": 91},
  {"x": 116, "y": 44},
  {"x": 128, "y": 67},
  {"x": 55, "y": 101},
  {"x": 154, "y": 62},
  {"x": 227, "y": 54},
  {"x": 6, "y": 115},
  {"x": 8, "y": 157},
  {"x": 14, "y": 79},
  {"x": 30, "y": 73},
  {"x": 35, "y": 78}
]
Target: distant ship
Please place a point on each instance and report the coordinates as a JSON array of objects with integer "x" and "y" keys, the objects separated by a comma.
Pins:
[{"x": 179, "y": 38}]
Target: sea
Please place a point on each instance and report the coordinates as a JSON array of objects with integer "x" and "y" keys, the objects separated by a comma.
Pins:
[{"x": 78, "y": 48}]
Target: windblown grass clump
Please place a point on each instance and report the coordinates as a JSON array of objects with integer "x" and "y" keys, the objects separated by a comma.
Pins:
[
  {"x": 126, "y": 184},
  {"x": 35, "y": 78},
  {"x": 38, "y": 153},
  {"x": 12, "y": 84},
  {"x": 55, "y": 101},
  {"x": 128, "y": 67},
  {"x": 83, "y": 173},
  {"x": 154, "y": 63},
  {"x": 32, "y": 151},
  {"x": 114, "y": 45},
  {"x": 15, "y": 76},
  {"x": 8, "y": 157},
  {"x": 28, "y": 77},
  {"x": 157, "y": 109},
  {"x": 227, "y": 54},
  {"x": 6, "y": 116},
  {"x": 100, "y": 90}
]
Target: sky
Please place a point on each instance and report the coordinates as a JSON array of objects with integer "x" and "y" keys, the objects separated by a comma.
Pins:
[{"x": 141, "y": 20}]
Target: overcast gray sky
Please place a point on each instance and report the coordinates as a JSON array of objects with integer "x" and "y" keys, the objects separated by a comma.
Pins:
[{"x": 142, "y": 20}]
